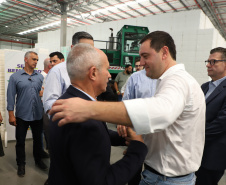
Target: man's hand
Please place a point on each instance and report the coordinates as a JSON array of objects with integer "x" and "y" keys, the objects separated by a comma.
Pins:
[
  {"x": 41, "y": 92},
  {"x": 1, "y": 117},
  {"x": 131, "y": 135},
  {"x": 12, "y": 119},
  {"x": 122, "y": 130},
  {"x": 70, "y": 110}
]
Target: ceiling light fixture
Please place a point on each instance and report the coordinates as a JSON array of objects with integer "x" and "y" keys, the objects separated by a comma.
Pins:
[{"x": 42, "y": 27}]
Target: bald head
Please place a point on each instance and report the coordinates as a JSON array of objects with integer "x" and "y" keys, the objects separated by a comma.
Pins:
[
  {"x": 81, "y": 57},
  {"x": 47, "y": 65}
]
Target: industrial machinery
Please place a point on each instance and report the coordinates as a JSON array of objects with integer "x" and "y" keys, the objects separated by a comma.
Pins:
[{"x": 124, "y": 48}]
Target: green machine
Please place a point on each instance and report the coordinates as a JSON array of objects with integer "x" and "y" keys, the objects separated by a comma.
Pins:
[{"x": 124, "y": 48}]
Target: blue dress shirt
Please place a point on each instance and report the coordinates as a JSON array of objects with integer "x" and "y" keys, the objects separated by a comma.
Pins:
[
  {"x": 26, "y": 89},
  {"x": 139, "y": 86},
  {"x": 56, "y": 84},
  {"x": 213, "y": 85}
]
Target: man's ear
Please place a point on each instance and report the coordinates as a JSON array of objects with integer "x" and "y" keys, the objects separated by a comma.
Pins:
[
  {"x": 93, "y": 73},
  {"x": 165, "y": 52}
]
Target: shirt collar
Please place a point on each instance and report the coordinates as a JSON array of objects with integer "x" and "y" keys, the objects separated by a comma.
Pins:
[
  {"x": 85, "y": 93},
  {"x": 172, "y": 70},
  {"x": 24, "y": 72},
  {"x": 217, "y": 82}
]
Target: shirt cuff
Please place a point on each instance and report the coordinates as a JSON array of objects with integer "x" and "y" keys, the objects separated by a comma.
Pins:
[{"x": 138, "y": 113}]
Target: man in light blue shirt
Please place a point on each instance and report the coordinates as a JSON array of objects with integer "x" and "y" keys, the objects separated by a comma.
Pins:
[
  {"x": 139, "y": 86},
  {"x": 25, "y": 85},
  {"x": 57, "y": 80}
]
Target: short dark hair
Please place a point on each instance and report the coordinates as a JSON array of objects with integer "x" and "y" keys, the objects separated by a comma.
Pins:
[
  {"x": 219, "y": 50},
  {"x": 80, "y": 35},
  {"x": 137, "y": 60},
  {"x": 128, "y": 65},
  {"x": 160, "y": 39},
  {"x": 58, "y": 54}
]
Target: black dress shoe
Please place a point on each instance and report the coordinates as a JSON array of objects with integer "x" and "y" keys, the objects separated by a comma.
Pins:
[
  {"x": 47, "y": 182},
  {"x": 44, "y": 155},
  {"x": 21, "y": 171},
  {"x": 41, "y": 165}
]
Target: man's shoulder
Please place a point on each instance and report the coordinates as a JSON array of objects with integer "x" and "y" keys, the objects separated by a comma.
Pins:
[
  {"x": 58, "y": 67},
  {"x": 40, "y": 75},
  {"x": 16, "y": 74},
  {"x": 205, "y": 84}
]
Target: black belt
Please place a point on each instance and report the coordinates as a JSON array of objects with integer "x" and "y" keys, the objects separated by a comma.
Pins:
[{"x": 157, "y": 173}]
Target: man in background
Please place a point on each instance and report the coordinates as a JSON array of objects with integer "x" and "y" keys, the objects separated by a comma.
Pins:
[
  {"x": 25, "y": 85},
  {"x": 214, "y": 160},
  {"x": 56, "y": 58},
  {"x": 47, "y": 67},
  {"x": 58, "y": 80},
  {"x": 138, "y": 67},
  {"x": 121, "y": 79}
]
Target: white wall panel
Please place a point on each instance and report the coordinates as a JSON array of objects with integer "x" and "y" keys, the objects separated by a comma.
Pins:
[{"x": 192, "y": 31}]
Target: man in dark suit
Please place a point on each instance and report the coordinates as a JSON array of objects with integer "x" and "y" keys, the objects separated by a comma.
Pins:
[
  {"x": 80, "y": 153},
  {"x": 214, "y": 156}
]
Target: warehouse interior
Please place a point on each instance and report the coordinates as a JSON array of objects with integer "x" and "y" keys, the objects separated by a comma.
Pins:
[{"x": 45, "y": 26}]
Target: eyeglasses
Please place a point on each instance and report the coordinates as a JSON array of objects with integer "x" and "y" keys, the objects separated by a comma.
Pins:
[
  {"x": 212, "y": 62},
  {"x": 137, "y": 65}
]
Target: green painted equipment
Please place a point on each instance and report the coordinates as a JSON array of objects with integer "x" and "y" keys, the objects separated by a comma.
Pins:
[{"x": 124, "y": 48}]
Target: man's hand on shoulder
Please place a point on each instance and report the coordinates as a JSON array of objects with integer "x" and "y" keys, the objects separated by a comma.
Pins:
[{"x": 70, "y": 110}]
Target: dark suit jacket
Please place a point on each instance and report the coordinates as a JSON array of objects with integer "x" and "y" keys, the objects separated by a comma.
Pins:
[
  {"x": 214, "y": 156},
  {"x": 80, "y": 153}
]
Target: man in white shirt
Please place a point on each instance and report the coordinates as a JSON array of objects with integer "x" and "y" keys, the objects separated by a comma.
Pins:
[{"x": 172, "y": 121}]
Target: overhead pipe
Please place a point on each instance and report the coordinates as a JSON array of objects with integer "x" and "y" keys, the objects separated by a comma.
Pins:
[{"x": 18, "y": 42}]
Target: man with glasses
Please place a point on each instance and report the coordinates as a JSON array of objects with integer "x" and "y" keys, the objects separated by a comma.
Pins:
[{"x": 214, "y": 160}]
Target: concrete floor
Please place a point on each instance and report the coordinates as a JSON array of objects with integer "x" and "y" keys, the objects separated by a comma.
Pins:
[{"x": 34, "y": 176}]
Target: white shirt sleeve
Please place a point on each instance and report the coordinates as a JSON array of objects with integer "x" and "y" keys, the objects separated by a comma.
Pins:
[{"x": 154, "y": 114}]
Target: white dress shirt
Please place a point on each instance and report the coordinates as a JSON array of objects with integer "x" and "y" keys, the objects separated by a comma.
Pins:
[
  {"x": 172, "y": 122},
  {"x": 56, "y": 83}
]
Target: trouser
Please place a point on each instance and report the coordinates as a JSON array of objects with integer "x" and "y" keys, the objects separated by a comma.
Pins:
[
  {"x": 46, "y": 128},
  {"x": 208, "y": 177},
  {"x": 21, "y": 132},
  {"x": 150, "y": 178},
  {"x": 1, "y": 148}
]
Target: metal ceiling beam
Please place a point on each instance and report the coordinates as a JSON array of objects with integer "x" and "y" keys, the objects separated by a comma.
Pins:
[
  {"x": 132, "y": 9},
  {"x": 157, "y": 6},
  {"x": 175, "y": 10},
  {"x": 183, "y": 4},
  {"x": 146, "y": 8},
  {"x": 124, "y": 11},
  {"x": 208, "y": 9},
  {"x": 113, "y": 12}
]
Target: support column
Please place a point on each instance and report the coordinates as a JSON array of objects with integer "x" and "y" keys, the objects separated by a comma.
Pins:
[{"x": 63, "y": 26}]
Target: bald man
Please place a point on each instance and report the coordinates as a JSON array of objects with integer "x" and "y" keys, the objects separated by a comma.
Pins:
[{"x": 80, "y": 153}]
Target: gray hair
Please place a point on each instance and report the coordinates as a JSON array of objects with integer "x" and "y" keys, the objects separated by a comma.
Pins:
[
  {"x": 46, "y": 63},
  {"x": 80, "y": 59},
  {"x": 27, "y": 54}
]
